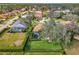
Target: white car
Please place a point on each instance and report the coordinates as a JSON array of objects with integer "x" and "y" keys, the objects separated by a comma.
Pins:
[{"x": 24, "y": 16}]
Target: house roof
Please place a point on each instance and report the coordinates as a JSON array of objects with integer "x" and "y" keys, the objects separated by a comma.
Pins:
[
  {"x": 19, "y": 23},
  {"x": 38, "y": 27}
]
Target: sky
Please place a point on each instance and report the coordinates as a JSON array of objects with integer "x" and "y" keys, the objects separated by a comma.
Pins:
[{"x": 39, "y": 1}]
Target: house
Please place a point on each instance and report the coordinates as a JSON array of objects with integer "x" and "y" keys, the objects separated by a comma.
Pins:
[
  {"x": 36, "y": 35},
  {"x": 70, "y": 25},
  {"x": 66, "y": 11},
  {"x": 26, "y": 16},
  {"x": 18, "y": 26},
  {"x": 4, "y": 16},
  {"x": 56, "y": 14},
  {"x": 38, "y": 14},
  {"x": 38, "y": 27},
  {"x": 16, "y": 12},
  {"x": 23, "y": 9},
  {"x": 36, "y": 31}
]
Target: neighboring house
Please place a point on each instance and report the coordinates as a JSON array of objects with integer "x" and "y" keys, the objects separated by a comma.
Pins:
[
  {"x": 66, "y": 11},
  {"x": 15, "y": 12},
  {"x": 4, "y": 16},
  {"x": 38, "y": 27},
  {"x": 38, "y": 14},
  {"x": 23, "y": 9},
  {"x": 36, "y": 31},
  {"x": 26, "y": 16},
  {"x": 36, "y": 35},
  {"x": 18, "y": 26},
  {"x": 57, "y": 14}
]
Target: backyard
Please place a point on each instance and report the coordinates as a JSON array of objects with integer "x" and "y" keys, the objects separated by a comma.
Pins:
[
  {"x": 12, "y": 41},
  {"x": 38, "y": 30},
  {"x": 44, "y": 46}
]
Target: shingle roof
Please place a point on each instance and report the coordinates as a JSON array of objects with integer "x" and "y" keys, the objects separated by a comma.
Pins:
[{"x": 19, "y": 23}]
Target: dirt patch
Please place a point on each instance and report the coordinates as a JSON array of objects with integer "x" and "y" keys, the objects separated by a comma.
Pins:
[
  {"x": 73, "y": 50},
  {"x": 18, "y": 43}
]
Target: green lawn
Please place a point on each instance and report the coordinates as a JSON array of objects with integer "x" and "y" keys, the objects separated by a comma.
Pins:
[
  {"x": 11, "y": 53},
  {"x": 7, "y": 40},
  {"x": 59, "y": 20},
  {"x": 43, "y": 45},
  {"x": 44, "y": 53}
]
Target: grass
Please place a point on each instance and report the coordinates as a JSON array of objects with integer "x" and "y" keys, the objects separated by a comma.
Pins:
[
  {"x": 8, "y": 39},
  {"x": 59, "y": 20},
  {"x": 43, "y": 45},
  {"x": 11, "y": 53},
  {"x": 43, "y": 53}
]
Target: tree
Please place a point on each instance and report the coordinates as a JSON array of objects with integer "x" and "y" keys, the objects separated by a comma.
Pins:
[
  {"x": 70, "y": 17},
  {"x": 53, "y": 31},
  {"x": 47, "y": 30}
]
